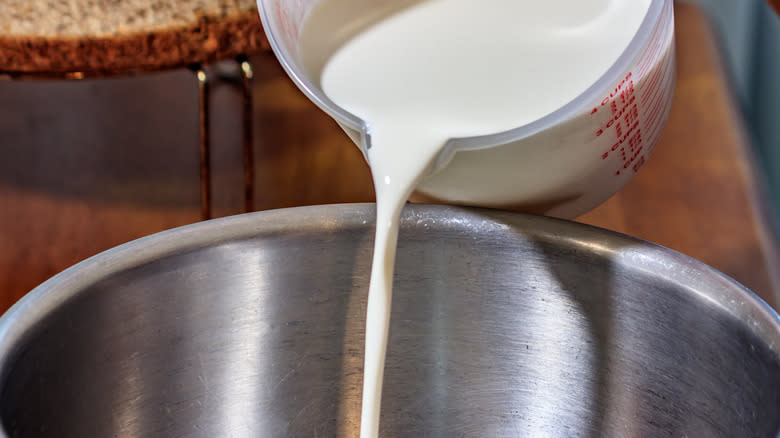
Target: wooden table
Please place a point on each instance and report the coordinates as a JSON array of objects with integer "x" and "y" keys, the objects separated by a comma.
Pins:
[{"x": 698, "y": 193}]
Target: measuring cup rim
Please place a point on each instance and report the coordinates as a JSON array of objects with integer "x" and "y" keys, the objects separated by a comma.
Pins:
[
  {"x": 567, "y": 111},
  {"x": 571, "y": 109}
]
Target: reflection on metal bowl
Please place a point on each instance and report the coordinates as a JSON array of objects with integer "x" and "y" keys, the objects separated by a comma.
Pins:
[{"x": 503, "y": 325}]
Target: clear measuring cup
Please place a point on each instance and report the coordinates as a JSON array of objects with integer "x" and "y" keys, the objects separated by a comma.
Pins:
[{"x": 561, "y": 165}]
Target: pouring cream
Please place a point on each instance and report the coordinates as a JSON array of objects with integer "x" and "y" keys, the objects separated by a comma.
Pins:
[{"x": 443, "y": 69}]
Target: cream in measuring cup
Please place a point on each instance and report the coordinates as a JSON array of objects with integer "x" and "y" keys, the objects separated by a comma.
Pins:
[{"x": 408, "y": 80}]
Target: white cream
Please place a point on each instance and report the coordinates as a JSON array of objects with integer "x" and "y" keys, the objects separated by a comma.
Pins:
[{"x": 458, "y": 68}]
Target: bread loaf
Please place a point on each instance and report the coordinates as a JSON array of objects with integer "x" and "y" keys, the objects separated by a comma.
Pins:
[{"x": 52, "y": 36}]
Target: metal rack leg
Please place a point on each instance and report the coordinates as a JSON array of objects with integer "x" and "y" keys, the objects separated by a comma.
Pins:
[
  {"x": 205, "y": 141},
  {"x": 249, "y": 162}
]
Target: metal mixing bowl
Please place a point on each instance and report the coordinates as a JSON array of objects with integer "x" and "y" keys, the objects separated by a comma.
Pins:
[{"x": 503, "y": 325}]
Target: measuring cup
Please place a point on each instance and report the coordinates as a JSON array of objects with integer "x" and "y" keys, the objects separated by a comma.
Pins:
[{"x": 563, "y": 164}]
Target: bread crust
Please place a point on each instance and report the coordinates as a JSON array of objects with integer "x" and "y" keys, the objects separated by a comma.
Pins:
[{"x": 209, "y": 39}]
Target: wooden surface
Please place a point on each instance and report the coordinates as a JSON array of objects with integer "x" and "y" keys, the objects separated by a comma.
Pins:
[{"x": 93, "y": 164}]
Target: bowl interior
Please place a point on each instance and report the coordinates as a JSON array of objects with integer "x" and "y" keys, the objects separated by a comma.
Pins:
[{"x": 502, "y": 325}]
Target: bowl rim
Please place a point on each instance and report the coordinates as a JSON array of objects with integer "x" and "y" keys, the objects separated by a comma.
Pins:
[{"x": 694, "y": 275}]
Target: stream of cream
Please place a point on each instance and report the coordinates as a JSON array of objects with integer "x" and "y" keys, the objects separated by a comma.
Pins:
[{"x": 458, "y": 68}]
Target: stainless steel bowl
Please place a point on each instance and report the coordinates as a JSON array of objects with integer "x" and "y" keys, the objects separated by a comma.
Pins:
[{"x": 503, "y": 325}]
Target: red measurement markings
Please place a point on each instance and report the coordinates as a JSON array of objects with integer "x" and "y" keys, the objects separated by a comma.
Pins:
[
  {"x": 652, "y": 82},
  {"x": 656, "y": 92},
  {"x": 649, "y": 55},
  {"x": 656, "y": 111},
  {"x": 658, "y": 124},
  {"x": 635, "y": 148},
  {"x": 624, "y": 123},
  {"x": 655, "y": 119},
  {"x": 652, "y": 45},
  {"x": 631, "y": 142},
  {"x": 615, "y": 93},
  {"x": 638, "y": 165},
  {"x": 657, "y": 40},
  {"x": 657, "y": 86},
  {"x": 662, "y": 94},
  {"x": 289, "y": 27},
  {"x": 652, "y": 108},
  {"x": 664, "y": 47},
  {"x": 653, "y": 52}
]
